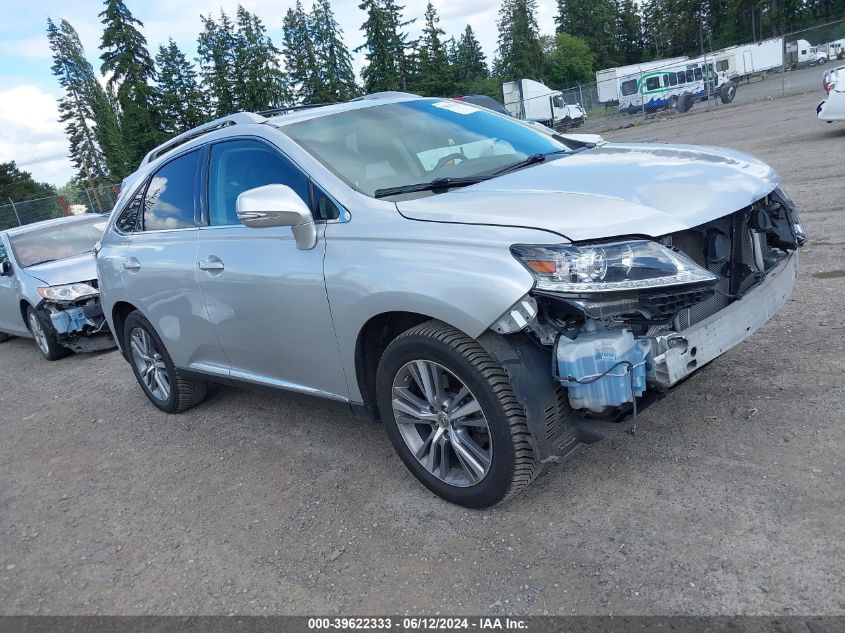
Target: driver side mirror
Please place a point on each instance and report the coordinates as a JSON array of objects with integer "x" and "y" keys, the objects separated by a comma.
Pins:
[
  {"x": 6, "y": 269},
  {"x": 278, "y": 205}
]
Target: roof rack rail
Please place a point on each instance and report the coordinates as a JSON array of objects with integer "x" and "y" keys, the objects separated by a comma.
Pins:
[
  {"x": 238, "y": 118},
  {"x": 283, "y": 110}
]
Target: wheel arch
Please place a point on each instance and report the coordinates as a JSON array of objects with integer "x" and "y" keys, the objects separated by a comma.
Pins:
[{"x": 120, "y": 310}]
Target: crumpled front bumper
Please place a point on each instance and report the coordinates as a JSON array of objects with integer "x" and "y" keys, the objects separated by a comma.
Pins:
[
  {"x": 80, "y": 327},
  {"x": 691, "y": 349}
]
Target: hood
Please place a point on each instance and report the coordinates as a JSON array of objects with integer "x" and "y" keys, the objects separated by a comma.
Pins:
[
  {"x": 609, "y": 191},
  {"x": 65, "y": 271}
]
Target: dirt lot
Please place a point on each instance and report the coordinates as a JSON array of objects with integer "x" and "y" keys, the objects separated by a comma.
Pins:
[{"x": 729, "y": 498}]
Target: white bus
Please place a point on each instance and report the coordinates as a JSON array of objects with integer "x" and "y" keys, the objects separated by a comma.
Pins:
[{"x": 676, "y": 85}]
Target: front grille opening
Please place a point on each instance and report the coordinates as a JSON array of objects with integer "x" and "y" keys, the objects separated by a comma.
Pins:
[{"x": 738, "y": 239}]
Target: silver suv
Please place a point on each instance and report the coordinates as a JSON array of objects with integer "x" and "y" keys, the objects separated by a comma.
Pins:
[{"x": 500, "y": 296}]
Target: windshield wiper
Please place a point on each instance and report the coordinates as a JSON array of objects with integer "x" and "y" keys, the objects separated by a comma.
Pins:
[
  {"x": 533, "y": 159},
  {"x": 447, "y": 183},
  {"x": 433, "y": 185}
]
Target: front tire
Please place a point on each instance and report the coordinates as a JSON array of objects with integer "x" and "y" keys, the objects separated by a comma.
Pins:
[
  {"x": 727, "y": 92},
  {"x": 4, "y": 337},
  {"x": 165, "y": 386},
  {"x": 452, "y": 416},
  {"x": 44, "y": 336}
]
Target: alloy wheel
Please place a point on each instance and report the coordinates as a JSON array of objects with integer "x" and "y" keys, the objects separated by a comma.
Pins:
[
  {"x": 38, "y": 333},
  {"x": 442, "y": 423},
  {"x": 150, "y": 364}
]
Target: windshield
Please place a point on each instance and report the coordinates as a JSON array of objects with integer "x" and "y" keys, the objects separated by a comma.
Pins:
[
  {"x": 58, "y": 241},
  {"x": 398, "y": 144}
]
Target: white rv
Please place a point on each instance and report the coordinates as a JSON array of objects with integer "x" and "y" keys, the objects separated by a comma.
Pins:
[
  {"x": 746, "y": 60},
  {"x": 533, "y": 101},
  {"x": 609, "y": 79}
]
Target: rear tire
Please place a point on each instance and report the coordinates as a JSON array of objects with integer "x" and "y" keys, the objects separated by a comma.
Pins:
[
  {"x": 685, "y": 102},
  {"x": 165, "y": 386},
  {"x": 44, "y": 336},
  {"x": 727, "y": 92},
  {"x": 494, "y": 429}
]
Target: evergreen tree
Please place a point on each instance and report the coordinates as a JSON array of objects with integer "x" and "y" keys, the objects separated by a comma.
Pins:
[
  {"x": 629, "y": 40},
  {"x": 17, "y": 184},
  {"x": 181, "y": 98},
  {"x": 469, "y": 60},
  {"x": 259, "y": 81},
  {"x": 126, "y": 59},
  {"x": 433, "y": 77},
  {"x": 386, "y": 46},
  {"x": 595, "y": 22},
  {"x": 91, "y": 123},
  {"x": 519, "y": 54},
  {"x": 215, "y": 55},
  {"x": 333, "y": 60},
  {"x": 298, "y": 32}
]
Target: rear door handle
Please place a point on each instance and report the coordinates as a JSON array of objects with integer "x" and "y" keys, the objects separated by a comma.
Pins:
[
  {"x": 131, "y": 264},
  {"x": 212, "y": 263}
]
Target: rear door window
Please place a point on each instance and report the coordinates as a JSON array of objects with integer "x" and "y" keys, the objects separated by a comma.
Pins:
[{"x": 170, "y": 201}]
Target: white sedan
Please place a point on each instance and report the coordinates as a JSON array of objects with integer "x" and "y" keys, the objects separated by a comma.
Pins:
[{"x": 833, "y": 108}]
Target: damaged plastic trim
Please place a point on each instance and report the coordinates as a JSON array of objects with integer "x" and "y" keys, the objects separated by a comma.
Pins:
[{"x": 78, "y": 325}]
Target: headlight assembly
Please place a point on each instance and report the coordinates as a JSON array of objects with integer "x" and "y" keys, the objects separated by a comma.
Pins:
[
  {"x": 68, "y": 292},
  {"x": 610, "y": 267}
]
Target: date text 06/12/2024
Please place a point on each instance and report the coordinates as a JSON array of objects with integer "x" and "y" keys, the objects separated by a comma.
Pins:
[{"x": 418, "y": 623}]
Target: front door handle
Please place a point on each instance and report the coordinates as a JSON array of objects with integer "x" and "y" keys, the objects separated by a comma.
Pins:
[
  {"x": 212, "y": 263},
  {"x": 131, "y": 264}
]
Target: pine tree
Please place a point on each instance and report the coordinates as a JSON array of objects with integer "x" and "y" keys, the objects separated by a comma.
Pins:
[
  {"x": 433, "y": 77},
  {"x": 629, "y": 29},
  {"x": 126, "y": 59},
  {"x": 386, "y": 46},
  {"x": 259, "y": 81},
  {"x": 594, "y": 21},
  {"x": 333, "y": 60},
  {"x": 181, "y": 98},
  {"x": 298, "y": 32},
  {"x": 469, "y": 60},
  {"x": 519, "y": 53},
  {"x": 215, "y": 55},
  {"x": 91, "y": 124}
]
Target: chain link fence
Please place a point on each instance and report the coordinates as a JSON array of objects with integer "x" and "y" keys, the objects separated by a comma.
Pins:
[
  {"x": 707, "y": 79},
  {"x": 74, "y": 201}
]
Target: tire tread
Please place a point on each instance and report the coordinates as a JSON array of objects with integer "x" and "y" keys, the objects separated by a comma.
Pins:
[{"x": 526, "y": 467}]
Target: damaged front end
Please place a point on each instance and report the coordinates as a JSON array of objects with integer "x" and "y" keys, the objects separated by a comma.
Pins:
[
  {"x": 76, "y": 315},
  {"x": 627, "y": 320}
]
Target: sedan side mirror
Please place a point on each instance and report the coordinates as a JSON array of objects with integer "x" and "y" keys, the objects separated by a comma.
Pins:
[
  {"x": 278, "y": 205},
  {"x": 5, "y": 269}
]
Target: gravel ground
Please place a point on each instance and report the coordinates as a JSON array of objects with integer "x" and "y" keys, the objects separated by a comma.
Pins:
[{"x": 727, "y": 500}]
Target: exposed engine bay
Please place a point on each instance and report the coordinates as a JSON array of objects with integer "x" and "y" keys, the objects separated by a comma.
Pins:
[{"x": 609, "y": 349}]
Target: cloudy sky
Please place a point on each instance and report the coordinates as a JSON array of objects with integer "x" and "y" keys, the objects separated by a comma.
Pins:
[{"x": 29, "y": 131}]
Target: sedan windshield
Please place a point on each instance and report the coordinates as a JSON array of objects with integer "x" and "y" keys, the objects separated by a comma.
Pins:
[
  {"x": 57, "y": 241},
  {"x": 385, "y": 148}
]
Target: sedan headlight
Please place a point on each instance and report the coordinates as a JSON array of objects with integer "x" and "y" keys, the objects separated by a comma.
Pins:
[
  {"x": 611, "y": 267},
  {"x": 68, "y": 292}
]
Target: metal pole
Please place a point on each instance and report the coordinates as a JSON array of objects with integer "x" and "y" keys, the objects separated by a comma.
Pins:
[
  {"x": 642, "y": 97},
  {"x": 783, "y": 67},
  {"x": 704, "y": 73},
  {"x": 15, "y": 210}
]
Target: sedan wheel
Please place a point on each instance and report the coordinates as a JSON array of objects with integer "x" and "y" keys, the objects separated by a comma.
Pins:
[
  {"x": 442, "y": 423},
  {"x": 44, "y": 336},
  {"x": 150, "y": 364}
]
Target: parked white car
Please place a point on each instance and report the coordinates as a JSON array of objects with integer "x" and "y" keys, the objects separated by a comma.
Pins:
[{"x": 833, "y": 108}]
